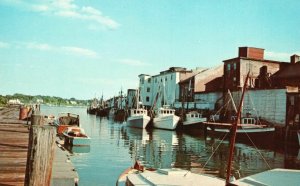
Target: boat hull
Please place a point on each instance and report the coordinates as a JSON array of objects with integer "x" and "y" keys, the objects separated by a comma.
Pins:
[
  {"x": 166, "y": 122},
  {"x": 196, "y": 121},
  {"x": 245, "y": 130},
  {"x": 76, "y": 141},
  {"x": 138, "y": 121}
]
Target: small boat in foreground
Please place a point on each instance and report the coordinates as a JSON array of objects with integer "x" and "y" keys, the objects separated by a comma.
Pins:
[
  {"x": 76, "y": 136},
  {"x": 66, "y": 120},
  {"x": 138, "y": 175},
  {"x": 274, "y": 177}
]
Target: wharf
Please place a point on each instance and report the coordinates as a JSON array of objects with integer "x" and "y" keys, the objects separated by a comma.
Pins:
[{"x": 14, "y": 136}]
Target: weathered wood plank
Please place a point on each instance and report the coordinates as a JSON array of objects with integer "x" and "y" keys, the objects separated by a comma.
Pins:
[{"x": 40, "y": 153}]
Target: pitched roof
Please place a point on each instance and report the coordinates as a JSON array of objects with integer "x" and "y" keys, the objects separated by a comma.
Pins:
[{"x": 291, "y": 71}]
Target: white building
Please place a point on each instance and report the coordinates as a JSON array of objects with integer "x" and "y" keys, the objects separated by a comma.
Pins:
[{"x": 164, "y": 86}]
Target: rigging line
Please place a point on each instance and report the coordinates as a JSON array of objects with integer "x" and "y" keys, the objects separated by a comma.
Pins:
[
  {"x": 214, "y": 151},
  {"x": 256, "y": 112},
  {"x": 257, "y": 150}
]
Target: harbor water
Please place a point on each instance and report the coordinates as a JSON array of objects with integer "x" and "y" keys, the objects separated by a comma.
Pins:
[{"x": 114, "y": 147}]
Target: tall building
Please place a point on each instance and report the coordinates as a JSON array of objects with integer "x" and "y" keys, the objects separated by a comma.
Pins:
[
  {"x": 163, "y": 88},
  {"x": 250, "y": 60}
]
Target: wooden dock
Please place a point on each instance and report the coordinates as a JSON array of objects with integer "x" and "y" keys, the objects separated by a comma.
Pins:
[{"x": 14, "y": 136}]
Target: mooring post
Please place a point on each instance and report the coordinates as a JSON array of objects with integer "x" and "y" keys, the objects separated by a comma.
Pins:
[{"x": 40, "y": 154}]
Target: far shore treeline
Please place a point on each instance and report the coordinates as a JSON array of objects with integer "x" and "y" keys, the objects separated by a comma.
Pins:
[{"x": 51, "y": 100}]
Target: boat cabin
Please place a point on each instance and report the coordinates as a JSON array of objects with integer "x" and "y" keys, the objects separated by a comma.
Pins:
[
  {"x": 249, "y": 121},
  {"x": 138, "y": 112},
  {"x": 166, "y": 110},
  {"x": 194, "y": 115}
]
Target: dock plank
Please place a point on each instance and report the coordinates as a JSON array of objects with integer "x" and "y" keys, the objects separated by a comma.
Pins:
[{"x": 14, "y": 137}]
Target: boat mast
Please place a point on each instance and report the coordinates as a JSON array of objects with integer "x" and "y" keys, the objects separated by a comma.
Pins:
[{"x": 233, "y": 136}]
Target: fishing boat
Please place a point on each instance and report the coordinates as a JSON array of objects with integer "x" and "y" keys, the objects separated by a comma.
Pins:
[
  {"x": 193, "y": 119},
  {"x": 75, "y": 136},
  {"x": 66, "y": 120},
  {"x": 138, "y": 116},
  {"x": 247, "y": 124},
  {"x": 139, "y": 175},
  {"x": 165, "y": 118},
  {"x": 92, "y": 109}
]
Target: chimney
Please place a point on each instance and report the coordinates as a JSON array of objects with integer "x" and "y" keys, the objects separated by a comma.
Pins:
[
  {"x": 250, "y": 52},
  {"x": 295, "y": 58}
]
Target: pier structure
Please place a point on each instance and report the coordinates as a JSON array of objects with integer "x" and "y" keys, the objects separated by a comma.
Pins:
[{"x": 14, "y": 144}]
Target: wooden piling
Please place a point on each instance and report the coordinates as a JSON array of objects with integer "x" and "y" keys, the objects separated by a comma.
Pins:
[{"x": 40, "y": 154}]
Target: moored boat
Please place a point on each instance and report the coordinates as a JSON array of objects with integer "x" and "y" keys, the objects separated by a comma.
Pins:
[
  {"x": 75, "y": 136},
  {"x": 248, "y": 127},
  {"x": 138, "y": 118},
  {"x": 165, "y": 118},
  {"x": 193, "y": 119},
  {"x": 274, "y": 177},
  {"x": 66, "y": 120},
  {"x": 138, "y": 175}
]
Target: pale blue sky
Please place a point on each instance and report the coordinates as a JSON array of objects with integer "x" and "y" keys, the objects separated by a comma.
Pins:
[{"x": 81, "y": 48}]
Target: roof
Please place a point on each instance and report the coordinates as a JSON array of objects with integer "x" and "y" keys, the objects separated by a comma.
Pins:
[
  {"x": 291, "y": 71},
  {"x": 262, "y": 60}
]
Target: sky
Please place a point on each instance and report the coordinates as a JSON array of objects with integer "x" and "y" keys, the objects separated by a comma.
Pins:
[{"x": 85, "y": 48}]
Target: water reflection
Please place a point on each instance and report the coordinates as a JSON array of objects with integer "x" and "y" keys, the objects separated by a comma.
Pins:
[
  {"x": 78, "y": 149},
  {"x": 114, "y": 147},
  {"x": 165, "y": 149}
]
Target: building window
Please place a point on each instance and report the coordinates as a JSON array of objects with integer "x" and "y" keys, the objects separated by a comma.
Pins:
[
  {"x": 155, "y": 80},
  {"x": 161, "y": 80},
  {"x": 166, "y": 79},
  {"x": 234, "y": 66},
  {"x": 148, "y": 89},
  {"x": 149, "y": 80},
  {"x": 171, "y": 77},
  {"x": 228, "y": 67},
  {"x": 147, "y": 99},
  {"x": 142, "y": 81},
  {"x": 234, "y": 78}
]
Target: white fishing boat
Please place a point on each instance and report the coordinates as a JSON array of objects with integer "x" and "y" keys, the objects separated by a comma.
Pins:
[
  {"x": 138, "y": 118},
  {"x": 165, "y": 118},
  {"x": 193, "y": 118}
]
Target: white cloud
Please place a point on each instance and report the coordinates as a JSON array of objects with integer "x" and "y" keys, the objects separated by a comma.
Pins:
[
  {"x": 73, "y": 50},
  {"x": 4, "y": 45},
  {"x": 279, "y": 56},
  {"x": 80, "y": 51},
  {"x": 38, "y": 46},
  {"x": 133, "y": 62},
  {"x": 68, "y": 9}
]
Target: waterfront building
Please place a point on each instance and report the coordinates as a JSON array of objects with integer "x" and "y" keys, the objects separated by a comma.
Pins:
[
  {"x": 162, "y": 88},
  {"x": 202, "y": 89},
  {"x": 266, "y": 95},
  {"x": 250, "y": 60}
]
